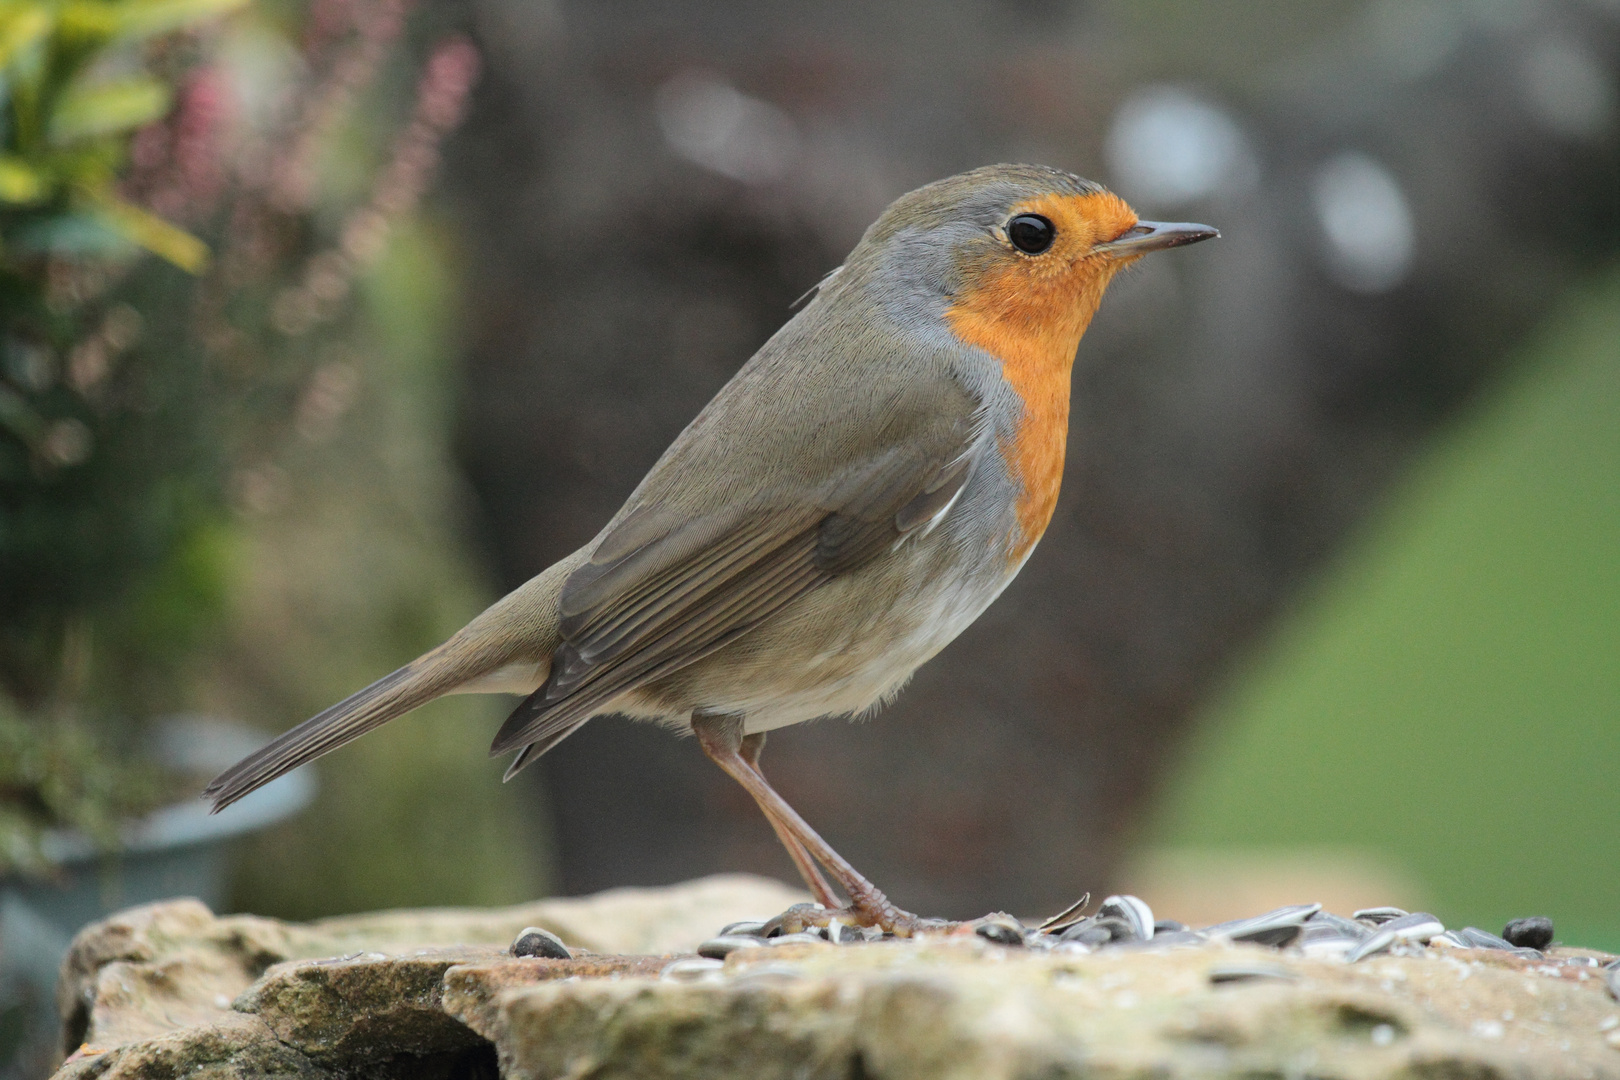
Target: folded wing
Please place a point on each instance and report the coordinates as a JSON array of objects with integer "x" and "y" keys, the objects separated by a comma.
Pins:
[{"x": 664, "y": 590}]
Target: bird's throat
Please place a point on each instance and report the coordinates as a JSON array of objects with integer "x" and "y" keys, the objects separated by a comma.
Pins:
[{"x": 1033, "y": 326}]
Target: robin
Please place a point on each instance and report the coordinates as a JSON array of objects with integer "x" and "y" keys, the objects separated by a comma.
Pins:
[{"x": 853, "y": 498}]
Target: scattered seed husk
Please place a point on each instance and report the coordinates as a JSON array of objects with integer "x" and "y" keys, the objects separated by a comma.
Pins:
[
  {"x": 1534, "y": 932},
  {"x": 745, "y": 928},
  {"x": 1133, "y": 911},
  {"x": 1325, "y": 923},
  {"x": 1482, "y": 939},
  {"x": 718, "y": 948},
  {"x": 1379, "y": 915},
  {"x": 1240, "y": 973},
  {"x": 1006, "y": 931},
  {"x": 1067, "y": 917},
  {"x": 1333, "y": 946},
  {"x": 1125, "y": 921},
  {"x": 691, "y": 969},
  {"x": 1099, "y": 930},
  {"x": 1417, "y": 927},
  {"x": 1169, "y": 939},
  {"x": 535, "y": 942},
  {"x": 1277, "y": 928}
]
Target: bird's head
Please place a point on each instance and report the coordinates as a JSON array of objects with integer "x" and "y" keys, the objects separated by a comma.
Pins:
[{"x": 1014, "y": 257}]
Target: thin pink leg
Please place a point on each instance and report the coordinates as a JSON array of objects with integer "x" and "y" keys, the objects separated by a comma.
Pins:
[
  {"x": 721, "y": 737},
  {"x": 752, "y": 746}
]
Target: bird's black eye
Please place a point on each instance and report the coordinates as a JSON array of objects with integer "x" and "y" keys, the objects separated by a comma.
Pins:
[{"x": 1031, "y": 233}]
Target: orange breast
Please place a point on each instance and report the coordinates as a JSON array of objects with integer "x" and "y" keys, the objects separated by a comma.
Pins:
[{"x": 1030, "y": 313}]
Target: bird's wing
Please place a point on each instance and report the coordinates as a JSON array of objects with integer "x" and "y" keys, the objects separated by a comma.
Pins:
[{"x": 664, "y": 589}]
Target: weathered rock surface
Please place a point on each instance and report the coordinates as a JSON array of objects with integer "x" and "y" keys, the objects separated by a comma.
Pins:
[{"x": 170, "y": 991}]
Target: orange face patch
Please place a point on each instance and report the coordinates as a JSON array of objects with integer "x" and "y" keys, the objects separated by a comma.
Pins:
[{"x": 1029, "y": 311}]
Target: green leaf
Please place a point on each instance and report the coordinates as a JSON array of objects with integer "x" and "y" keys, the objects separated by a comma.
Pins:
[
  {"x": 85, "y": 26},
  {"x": 146, "y": 229},
  {"x": 146, "y": 17},
  {"x": 21, "y": 182},
  {"x": 95, "y": 21},
  {"x": 108, "y": 108},
  {"x": 21, "y": 25}
]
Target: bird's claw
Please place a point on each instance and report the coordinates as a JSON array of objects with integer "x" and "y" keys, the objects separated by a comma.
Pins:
[{"x": 888, "y": 918}]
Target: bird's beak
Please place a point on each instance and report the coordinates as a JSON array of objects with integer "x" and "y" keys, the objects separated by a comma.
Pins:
[{"x": 1146, "y": 236}]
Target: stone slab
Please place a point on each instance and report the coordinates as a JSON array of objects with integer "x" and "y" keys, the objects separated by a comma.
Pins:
[
  {"x": 172, "y": 991},
  {"x": 967, "y": 1009}
]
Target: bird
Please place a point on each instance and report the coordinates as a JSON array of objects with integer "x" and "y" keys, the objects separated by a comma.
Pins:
[{"x": 849, "y": 502}]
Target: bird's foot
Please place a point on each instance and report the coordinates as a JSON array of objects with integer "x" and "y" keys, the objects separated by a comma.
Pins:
[
  {"x": 801, "y": 918},
  {"x": 997, "y": 927}
]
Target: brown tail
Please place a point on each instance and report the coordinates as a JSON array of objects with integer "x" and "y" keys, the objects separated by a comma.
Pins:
[
  {"x": 521, "y": 625},
  {"x": 391, "y": 696}
]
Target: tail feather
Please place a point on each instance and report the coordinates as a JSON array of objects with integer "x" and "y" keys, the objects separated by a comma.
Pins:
[
  {"x": 538, "y": 720},
  {"x": 389, "y": 697},
  {"x": 531, "y": 753},
  {"x": 520, "y": 628}
]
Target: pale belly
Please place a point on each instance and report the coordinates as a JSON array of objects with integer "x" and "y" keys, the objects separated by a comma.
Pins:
[
  {"x": 824, "y": 660},
  {"x": 855, "y": 671},
  {"x": 860, "y": 677}
]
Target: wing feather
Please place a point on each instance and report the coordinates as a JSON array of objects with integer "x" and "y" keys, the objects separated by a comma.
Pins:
[
  {"x": 699, "y": 631},
  {"x": 660, "y": 594},
  {"x": 678, "y": 585}
]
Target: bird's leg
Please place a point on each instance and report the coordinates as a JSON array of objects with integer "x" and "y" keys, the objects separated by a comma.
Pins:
[
  {"x": 721, "y": 736},
  {"x": 750, "y": 749}
]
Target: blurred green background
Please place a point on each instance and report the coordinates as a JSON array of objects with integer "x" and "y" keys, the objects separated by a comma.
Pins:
[{"x": 1446, "y": 698}]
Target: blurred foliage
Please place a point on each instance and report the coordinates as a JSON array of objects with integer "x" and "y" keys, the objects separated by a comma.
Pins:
[
  {"x": 105, "y": 492},
  {"x": 1448, "y": 696},
  {"x": 146, "y": 403},
  {"x": 103, "y": 487},
  {"x": 75, "y": 88}
]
